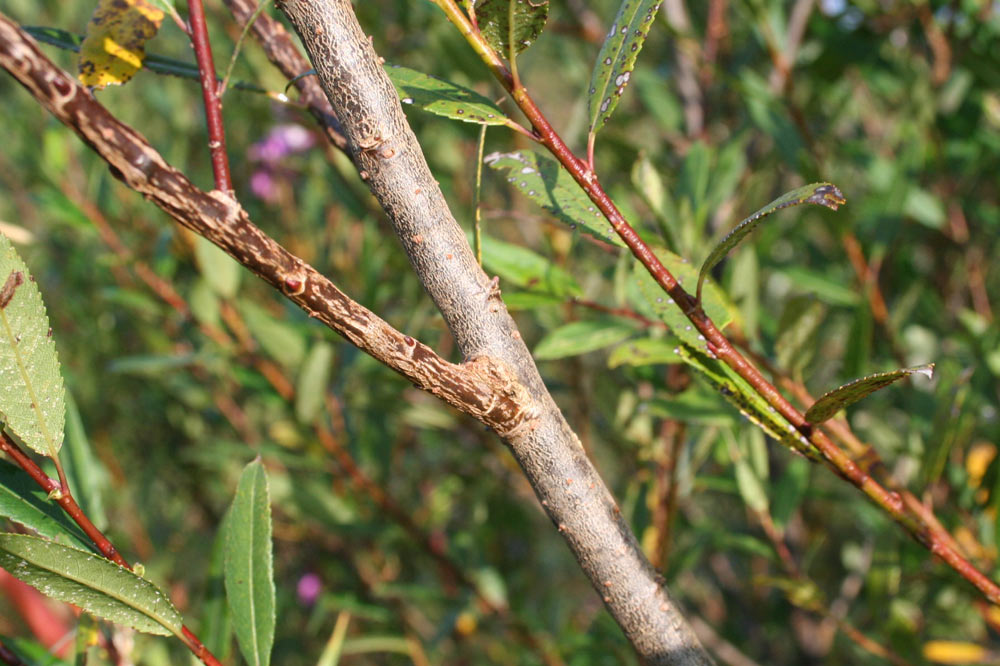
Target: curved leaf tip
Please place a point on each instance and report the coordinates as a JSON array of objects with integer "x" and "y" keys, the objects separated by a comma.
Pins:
[{"x": 821, "y": 194}]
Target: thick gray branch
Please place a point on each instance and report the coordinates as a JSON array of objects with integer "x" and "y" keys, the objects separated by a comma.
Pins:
[{"x": 566, "y": 483}]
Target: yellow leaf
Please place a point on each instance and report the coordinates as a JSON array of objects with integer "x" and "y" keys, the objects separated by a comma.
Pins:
[
  {"x": 954, "y": 652},
  {"x": 113, "y": 48}
]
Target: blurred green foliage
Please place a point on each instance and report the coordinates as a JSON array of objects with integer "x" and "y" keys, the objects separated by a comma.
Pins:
[{"x": 391, "y": 508}]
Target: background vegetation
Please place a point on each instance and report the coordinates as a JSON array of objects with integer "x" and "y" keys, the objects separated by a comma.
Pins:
[{"x": 390, "y": 507}]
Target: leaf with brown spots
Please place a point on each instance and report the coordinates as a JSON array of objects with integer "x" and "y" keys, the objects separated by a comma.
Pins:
[
  {"x": 504, "y": 21},
  {"x": 114, "y": 48}
]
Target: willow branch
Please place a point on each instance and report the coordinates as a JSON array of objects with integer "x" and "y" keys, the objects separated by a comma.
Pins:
[{"x": 564, "y": 480}]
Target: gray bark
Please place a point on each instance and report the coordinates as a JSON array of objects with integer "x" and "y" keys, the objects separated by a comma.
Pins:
[{"x": 566, "y": 483}]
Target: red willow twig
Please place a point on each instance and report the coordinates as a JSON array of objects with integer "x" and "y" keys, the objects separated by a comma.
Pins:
[
  {"x": 62, "y": 496},
  {"x": 717, "y": 344},
  {"x": 210, "y": 93}
]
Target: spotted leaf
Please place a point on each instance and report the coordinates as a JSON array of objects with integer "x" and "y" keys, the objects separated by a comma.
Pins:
[
  {"x": 822, "y": 194},
  {"x": 91, "y": 582},
  {"x": 503, "y": 21},
  {"x": 443, "y": 98},
  {"x": 32, "y": 400},
  {"x": 617, "y": 58},
  {"x": 827, "y": 406},
  {"x": 543, "y": 181},
  {"x": 114, "y": 48}
]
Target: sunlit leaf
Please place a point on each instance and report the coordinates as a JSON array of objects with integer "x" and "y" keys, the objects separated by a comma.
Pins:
[
  {"x": 797, "y": 338},
  {"x": 750, "y": 487},
  {"x": 644, "y": 351},
  {"x": 91, "y": 582},
  {"x": 24, "y": 502},
  {"x": 249, "y": 566},
  {"x": 617, "y": 58},
  {"x": 221, "y": 272},
  {"x": 713, "y": 302},
  {"x": 831, "y": 403},
  {"x": 823, "y": 194},
  {"x": 276, "y": 337},
  {"x": 502, "y": 20},
  {"x": 544, "y": 181},
  {"x": 580, "y": 337},
  {"x": 520, "y": 266},
  {"x": 443, "y": 98},
  {"x": 955, "y": 652},
  {"x": 114, "y": 47},
  {"x": 32, "y": 402}
]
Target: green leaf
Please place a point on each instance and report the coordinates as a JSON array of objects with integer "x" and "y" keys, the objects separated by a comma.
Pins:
[
  {"x": 443, "y": 98},
  {"x": 644, "y": 351},
  {"x": 617, "y": 58},
  {"x": 91, "y": 582},
  {"x": 823, "y": 194},
  {"x": 277, "y": 338},
  {"x": 789, "y": 491},
  {"x": 87, "y": 476},
  {"x": 827, "y": 406},
  {"x": 220, "y": 271},
  {"x": 310, "y": 390},
  {"x": 694, "y": 406},
  {"x": 545, "y": 182},
  {"x": 500, "y": 21},
  {"x": 30, "y": 652},
  {"x": 713, "y": 302},
  {"x": 580, "y": 337},
  {"x": 249, "y": 566},
  {"x": 750, "y": 487},
  {"x": 737, "y": 391},
  {"x": 31, "y": 386},
  {"x": 797, "y": 338},
  {"x": 524, "y": 268},
  {"x": 216, "y": 629},
  {"x": 24, "y": 502}
]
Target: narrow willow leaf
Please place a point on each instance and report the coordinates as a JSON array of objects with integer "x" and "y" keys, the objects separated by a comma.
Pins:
[
  {"x": 848, "y": 394},
  {"x": 276, "y": 337},
  {"x": 310, "y": 390},
  {"x": 249, "y": 566},
  {"x": 797, "y": 341},
  {"x": 30, "y": 652},
  {"x": 499, "y": 20},
  {"x": 645, "y": 351},
  {"x": 520, "y": 266},
  {"x": 91, "y": 582},
  {"x": 581, "y": 337},
  {"x": 114, "y": 48},
  {"x": 31, "y": 387},
  {"x": 443, "y": 98},
  {"x": 736, "y": 390},
  {"x": 153, "y": 62},
  {"x": 617, "y": 58},
  {"x": 24, "y": 502},
  {"x": 216, "y": 629},
  {"x": 750, "y": 486},
  {"x": 545, "y": 182},
  {"x": 87, "y": 475},
  {"x": 714, "y": 303},
  {"x": 219, "y": 270},
  {"x": 822, "y": 194}
]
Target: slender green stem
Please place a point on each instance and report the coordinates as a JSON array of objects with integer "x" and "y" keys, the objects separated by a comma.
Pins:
[
  {"x": 239, "y": 45},
  {"x": 476, "y": 195}
]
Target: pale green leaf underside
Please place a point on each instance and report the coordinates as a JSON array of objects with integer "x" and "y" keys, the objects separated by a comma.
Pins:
[
  {"x": 91, "y": 582},
  {"x": 581, "y": 337},
  {"x": 443, "y": 98},
  {"x": 543, "y": 181},
  {"x": 831, "y": 403},
  {"x": 248, "y": 566},
  {"x": 713, "y": 302},
  {"x": 617, "y": 58},
  {"x": 737, "y": 391},
  {"x": 494, "y": 19},
  {"x": 31, "y": 386},
  {"x": 822, "y": 194}
]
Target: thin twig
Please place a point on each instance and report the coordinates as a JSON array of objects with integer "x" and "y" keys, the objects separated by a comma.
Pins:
[{"x": 210, "y": 95}]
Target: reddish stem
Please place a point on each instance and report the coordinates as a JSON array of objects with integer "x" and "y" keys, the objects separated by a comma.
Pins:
[
  {"x": 65, "y": 500},
  {"x": 210, "y": 94}
]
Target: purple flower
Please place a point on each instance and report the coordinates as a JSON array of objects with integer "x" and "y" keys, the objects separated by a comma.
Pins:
[
  {"x": 281, "y": 141},
  {"x": 263, "y": 186},
  {"x": 308, "y": 589}
]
